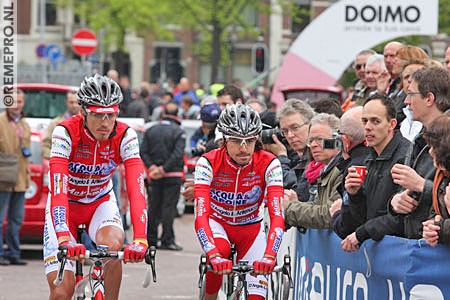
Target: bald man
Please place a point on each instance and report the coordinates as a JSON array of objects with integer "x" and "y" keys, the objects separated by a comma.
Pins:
[{"x": 390, "y": 59}]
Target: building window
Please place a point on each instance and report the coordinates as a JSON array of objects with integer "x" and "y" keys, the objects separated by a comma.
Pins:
[
  {"x": 251, "y": 16},
  {"x": 167, "y": 65},
  {"x": 50, "y": 13},
  {"x": 301, "y": 16}
]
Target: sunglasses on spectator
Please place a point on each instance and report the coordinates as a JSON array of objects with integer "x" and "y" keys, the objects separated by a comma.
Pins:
[{"x": 360, "y": 66}]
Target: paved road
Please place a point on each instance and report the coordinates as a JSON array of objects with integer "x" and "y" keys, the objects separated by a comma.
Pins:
[{"x": 177, "y": 272}]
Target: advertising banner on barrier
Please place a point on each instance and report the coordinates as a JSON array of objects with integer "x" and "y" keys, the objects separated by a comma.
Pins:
[{"x": 394, "y": 268}]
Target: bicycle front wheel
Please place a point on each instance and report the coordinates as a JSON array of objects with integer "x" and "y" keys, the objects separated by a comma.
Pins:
[
  {"x": 239, "y": 292},
  {"x": 284, "y": 287},
  {"x": 201, "y": 289}
]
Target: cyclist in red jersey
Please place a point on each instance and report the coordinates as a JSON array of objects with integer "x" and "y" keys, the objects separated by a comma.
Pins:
[
  {"x": 230, "y": 186},
  {"x": 86, "y": 150}
]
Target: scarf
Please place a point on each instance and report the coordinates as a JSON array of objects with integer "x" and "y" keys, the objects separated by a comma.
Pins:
[
  {"x": 436, "y": 182},
  {"x": 312, "y": 171}
]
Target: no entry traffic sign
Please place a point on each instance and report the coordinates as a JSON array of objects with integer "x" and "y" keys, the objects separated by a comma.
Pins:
[{"x": 84, "y": 42}]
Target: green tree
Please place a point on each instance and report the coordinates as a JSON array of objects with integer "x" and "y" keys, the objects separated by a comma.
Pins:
[
  {"x": 117, "y": 17},
  {"x": 215, "y": 21}
]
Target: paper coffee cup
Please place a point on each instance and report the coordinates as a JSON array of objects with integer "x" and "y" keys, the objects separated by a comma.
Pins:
[{"x": 361, "y": 170}]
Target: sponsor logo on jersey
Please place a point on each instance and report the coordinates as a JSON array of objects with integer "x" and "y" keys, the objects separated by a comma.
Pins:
[
  {"x": 84, "y": 148},
  {"x": 131, "y": 147},
  {"x": 275, "y": 173},
  {"x": 57, "y": 184},
  {"x": 204, "y": 242},
  {"x": 61, "y": 138},
  {"x": 231, "y": 198},
  {"x": 98, "y": 180},
  {"x": 278, "y": 238},
  {"x": 219, "y": 184},
  {"x": 252, "y": 177},
  {"x": 59, "y": 154},
  {"x": 59, "y": 219},
  {"x": 65, "y": 183},
  {"x": 100, "y": 169},
  {"x": 276, "y": 206},
  {"x": 200, "y": 206},
  {"x": 234, "y": 213},
  {"x": 82, "y": 155}
]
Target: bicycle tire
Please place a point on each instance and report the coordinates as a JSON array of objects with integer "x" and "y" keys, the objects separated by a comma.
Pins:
[
  {"x": 284, "y": 287},
  {"x": 274, "y": 281},
  {"x": 80, "y": 289},
  {"x": 238, "y": 293},
  {"x": 202, "y": 289}
]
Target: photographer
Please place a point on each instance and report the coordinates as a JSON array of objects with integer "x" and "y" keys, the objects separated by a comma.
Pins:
[
  {"x": 294, "y": 117},
  {"x": 203, "y": 139},
  {"x": 209, "y": 115},
  {"x": 324, "y": 148}
]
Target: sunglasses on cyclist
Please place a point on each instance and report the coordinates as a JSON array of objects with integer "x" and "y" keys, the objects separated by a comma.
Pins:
[
  {"x": 241, "y": 141},
  {"x": 102, "y": 117},
  {"x": 101, "y": 113}
]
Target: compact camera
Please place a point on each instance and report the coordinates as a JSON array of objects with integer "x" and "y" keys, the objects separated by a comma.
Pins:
[
  {"x": 334, "y": 143},
  {"x": 26, "y": 152},
  {"x": 266, "y": 136}
]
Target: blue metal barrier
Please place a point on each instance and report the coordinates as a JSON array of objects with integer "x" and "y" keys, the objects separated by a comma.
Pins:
[{"x": 394, "y": 268}]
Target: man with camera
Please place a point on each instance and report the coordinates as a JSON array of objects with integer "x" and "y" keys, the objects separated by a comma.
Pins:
[
  {"x": 294, "y": 117},
  {"x": 204, "y": 137},
  {"x": 15, "y": 139},
  {"x": 324, "y": 146}
]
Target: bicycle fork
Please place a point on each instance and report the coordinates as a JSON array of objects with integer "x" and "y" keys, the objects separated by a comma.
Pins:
[{"x": 98, "y": 277}]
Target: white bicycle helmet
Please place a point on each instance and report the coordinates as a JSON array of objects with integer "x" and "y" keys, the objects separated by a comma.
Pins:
[
  {"x": 239, "y": 120},
  {"x": 99, "y": 91}
]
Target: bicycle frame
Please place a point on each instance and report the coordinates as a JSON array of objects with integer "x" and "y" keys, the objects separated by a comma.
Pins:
[
  {"x": 241, "y": 269},
  {"x": 95, "y": 277},
  {"x": 96, "y": 274}
]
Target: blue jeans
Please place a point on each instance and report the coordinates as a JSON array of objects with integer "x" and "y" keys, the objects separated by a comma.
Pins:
[{"x": 14, "y": 204}]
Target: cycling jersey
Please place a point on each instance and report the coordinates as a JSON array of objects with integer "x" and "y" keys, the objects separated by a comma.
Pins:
[
  {"x": 81, "y": 168},
  {"x": 232, "y": 194}
]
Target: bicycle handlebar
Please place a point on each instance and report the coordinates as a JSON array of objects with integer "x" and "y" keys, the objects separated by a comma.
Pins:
[
  {"x": 102, "y": 253},
  {"x": 243, "y": 267}
]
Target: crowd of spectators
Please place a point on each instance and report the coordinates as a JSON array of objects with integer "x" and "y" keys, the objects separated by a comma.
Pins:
[{"x": 392, "y": 125}]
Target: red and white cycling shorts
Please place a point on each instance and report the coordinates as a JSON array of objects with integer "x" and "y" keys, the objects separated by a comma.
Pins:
[
  {"x": 101, "y": 213},
  {"x": 250, "y": 242}
]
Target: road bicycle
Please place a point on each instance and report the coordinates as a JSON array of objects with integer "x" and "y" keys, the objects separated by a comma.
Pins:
[
  {"x": 94, "y": 280},
  {"x": 236, "y": 287}
]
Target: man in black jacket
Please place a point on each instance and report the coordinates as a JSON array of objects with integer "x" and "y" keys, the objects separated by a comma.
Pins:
[
  {"x": 162, "y": 151},
  {"x": 354, "y": 153},
  {"x": 372, "y": 195},
  {"x": 428, "y": 96}
]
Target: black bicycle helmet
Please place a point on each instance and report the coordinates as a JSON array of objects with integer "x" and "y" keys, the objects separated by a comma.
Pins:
[
  {"x": 99, "y": 91},
  {"x": 239, "y": 120}
]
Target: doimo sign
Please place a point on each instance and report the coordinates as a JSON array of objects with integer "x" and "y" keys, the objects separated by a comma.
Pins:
[
  {"x": 347, "y": 27},
  {"x": 385, "y": 14}
]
